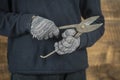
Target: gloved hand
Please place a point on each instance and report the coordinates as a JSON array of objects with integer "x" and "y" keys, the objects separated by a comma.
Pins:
[
  {"x": 42, "y": 28},
  {"x": 68, "y": 44}
]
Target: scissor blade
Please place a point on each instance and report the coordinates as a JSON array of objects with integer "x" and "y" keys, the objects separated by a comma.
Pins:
[
  {"x": 87, "y": 21},
  {"x": 90, "y": 20},
  {"x": 90, "y": 28}
]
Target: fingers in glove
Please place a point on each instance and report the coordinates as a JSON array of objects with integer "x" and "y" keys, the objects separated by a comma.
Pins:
[
  {"x": 38, "y": 33},
  {"x": 74, "y": 46},
  {"x": 41, "y": 25},
  {"x": 60, "y": 52},
  {"x": 41, "y": 28},
  {"x": 65, "y": 43},
  {"x": 36, "y": 21},
  {"x": 46, "y": 32},
  {"x": 49, "y": 31},
  {"x": 68, "y": 51},
  {"x": 46, "y": 37},
  {"x": 69, "y": 32},
  {"x": 70, "y": 39},
  {"x": 39, "y": 37},
  {"x": 50, "y": 34},
  {"x": 55, "y": 31},
  {"x": 60, "y": 46},
  {"x": 56, "y": 45},
  {"x": 76, "y": 43}
]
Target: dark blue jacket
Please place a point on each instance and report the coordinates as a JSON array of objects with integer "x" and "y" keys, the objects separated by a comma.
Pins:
[{"x": 24, "y": 51}]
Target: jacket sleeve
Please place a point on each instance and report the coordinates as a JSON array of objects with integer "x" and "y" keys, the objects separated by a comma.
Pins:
[
  {"x": 88, "y": 9},
  {"x": 13, "y": 24}
]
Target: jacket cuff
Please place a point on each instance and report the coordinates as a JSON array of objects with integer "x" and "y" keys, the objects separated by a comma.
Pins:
[
  {"x": 83, "y": 41},
  {"x": 25, "y": 21}
]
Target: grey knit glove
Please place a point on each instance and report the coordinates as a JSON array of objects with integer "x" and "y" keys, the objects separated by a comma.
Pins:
[
  {"x": 68, "y": 44},
  {"x": 42, "y": 28}
]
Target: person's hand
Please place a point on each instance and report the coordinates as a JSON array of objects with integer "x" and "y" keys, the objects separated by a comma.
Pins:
[
  {"x": 68, "y": 44},
  {"x": 42, "y": 28}
]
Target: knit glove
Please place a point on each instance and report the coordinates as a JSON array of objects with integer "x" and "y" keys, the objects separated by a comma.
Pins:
[
  {"x": 68, "y": 44},
  {"x": 42, "y": 28}
]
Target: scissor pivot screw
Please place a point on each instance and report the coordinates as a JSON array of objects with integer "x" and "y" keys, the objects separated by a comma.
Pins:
[{"x": 83, "y": 26}]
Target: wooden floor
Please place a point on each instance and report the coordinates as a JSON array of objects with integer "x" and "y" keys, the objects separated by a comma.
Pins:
[{"x": 104, "y": 56}]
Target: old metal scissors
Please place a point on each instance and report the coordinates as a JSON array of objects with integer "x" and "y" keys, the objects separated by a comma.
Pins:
[{"x": 84, "y": 27}]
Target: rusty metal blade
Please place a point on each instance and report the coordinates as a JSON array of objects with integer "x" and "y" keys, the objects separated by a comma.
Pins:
[
  {"x": 90, "y": 20},
  {"x": 87, "y": 21},
  {"x": 90, "y": 28}
]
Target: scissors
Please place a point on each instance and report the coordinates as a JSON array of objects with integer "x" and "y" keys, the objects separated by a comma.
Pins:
[{"x": 83, "y": 27}]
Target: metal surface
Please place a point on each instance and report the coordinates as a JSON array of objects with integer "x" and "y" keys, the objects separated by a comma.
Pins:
[{"x": 84, "y": 27}]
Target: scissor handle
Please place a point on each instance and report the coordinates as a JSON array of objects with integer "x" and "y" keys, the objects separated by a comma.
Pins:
[
  {"x": 68, "y": 26},
  {"x": 48, "y": 54},
  {"x": 51, "y": 53}
]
